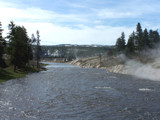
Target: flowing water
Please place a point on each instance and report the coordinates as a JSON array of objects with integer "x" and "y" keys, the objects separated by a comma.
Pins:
[{"x": 66, "y": 92}]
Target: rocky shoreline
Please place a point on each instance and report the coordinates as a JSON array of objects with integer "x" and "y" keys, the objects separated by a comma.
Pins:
[
  {"x": 110, "y": 64},
  {"x": 122, "y": 65}
]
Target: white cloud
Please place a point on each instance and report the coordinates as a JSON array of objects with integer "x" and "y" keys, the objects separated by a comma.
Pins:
[
  {"x": 54, "y": 34},
  {"x": 106, "y": 13},
  {"x": 131, "y": 9},
  {"x": 35, "y": 14},
  {"x": 52, "y": 31},
  {"x": 33, "y": 19}
]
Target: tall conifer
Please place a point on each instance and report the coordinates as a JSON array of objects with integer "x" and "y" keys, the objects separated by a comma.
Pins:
[
  {"x": 2, "y": 45},
  {"x": 139, "y": 37}
]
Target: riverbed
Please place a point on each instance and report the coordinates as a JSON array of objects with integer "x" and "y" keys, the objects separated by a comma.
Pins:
[{"x": 66, "y": 92}]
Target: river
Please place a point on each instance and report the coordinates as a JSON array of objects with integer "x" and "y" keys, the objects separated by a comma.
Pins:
[{"x": 66, "y": 92}]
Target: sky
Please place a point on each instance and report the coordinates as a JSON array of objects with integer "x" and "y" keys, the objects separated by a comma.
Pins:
[{"x": 80, "y": 21}]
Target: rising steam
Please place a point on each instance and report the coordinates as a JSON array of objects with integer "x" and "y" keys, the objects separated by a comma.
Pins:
[{"x": 149, "y": 70}]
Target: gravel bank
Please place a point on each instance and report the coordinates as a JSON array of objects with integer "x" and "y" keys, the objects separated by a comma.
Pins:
[{"x": 122, "y": 65}]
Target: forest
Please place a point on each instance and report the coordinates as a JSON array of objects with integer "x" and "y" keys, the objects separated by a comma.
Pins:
[
  {"x": 138, "y": 41},
  {"x": 16, "y": 52}
]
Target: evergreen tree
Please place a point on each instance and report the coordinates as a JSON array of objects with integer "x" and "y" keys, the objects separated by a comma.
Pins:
[
  {"x": 30, "y": 43},
  {"x": 18, "y": 46},
  {"x": 120, "y": 44},
  {"x": 130, "y": 43},
  {"x": 139, "y": 37},
  {"x": 139, "y": 41},
  {"x": 156, "y": 37},
  {"x": 21, "y": 47},
  {"x": 145, "y": 39},
  {"x": 38, "y": 49},
  {"x": 151, "y": 43},
  {"x": 33, "y": 39},
  {"x": 11, "y": 38},
  {"x": 2, "y": 45}
]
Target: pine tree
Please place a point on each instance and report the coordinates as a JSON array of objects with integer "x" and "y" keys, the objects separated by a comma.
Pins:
[
  {"x": 123, "y": 39},
  {"x": 120, "y": 44},
  {"x": 23, "y": 41},
  {"x": 150, "y": 38},
  {"x": 2, "y": 45},
  {"x": 18, "y": 46},
  {"x": 145, "y": 39},
  {"x": 130, "y": 43},
  {"x": 11, "y": 43},
  {"x": 38, "y": 49},
  {"x": 156, "y": 37},
  {"x": 30, "y": 43},
  {"x": 33, "y": 39},
  {"x": 139, "y": 37}
]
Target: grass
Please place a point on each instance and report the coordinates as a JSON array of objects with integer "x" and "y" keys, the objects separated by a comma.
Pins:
[
  {"x": 43, "y": 64},
  {"x": 8, "y": 73}
]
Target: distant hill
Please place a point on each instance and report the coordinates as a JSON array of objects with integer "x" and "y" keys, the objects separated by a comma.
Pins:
[{"x": 74, "y": 51}]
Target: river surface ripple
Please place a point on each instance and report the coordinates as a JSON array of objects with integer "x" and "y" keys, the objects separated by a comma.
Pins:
[{"x": 66, "y": 92}]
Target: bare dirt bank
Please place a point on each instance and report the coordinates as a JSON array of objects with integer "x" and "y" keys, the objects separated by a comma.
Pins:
[{"x": 123, "y": 65}]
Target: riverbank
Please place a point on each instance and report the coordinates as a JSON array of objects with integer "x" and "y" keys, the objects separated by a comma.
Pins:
[
  {"x": 123, "y": 65},
  {"x": 8, "y": 72}
]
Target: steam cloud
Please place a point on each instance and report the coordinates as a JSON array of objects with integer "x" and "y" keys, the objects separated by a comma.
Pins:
[{"x": 149, "y": 70}]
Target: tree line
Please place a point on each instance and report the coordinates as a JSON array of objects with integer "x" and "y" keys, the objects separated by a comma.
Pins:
[
  {"x": 138, "y": 41},
  {"x": 18, "y": 46}
]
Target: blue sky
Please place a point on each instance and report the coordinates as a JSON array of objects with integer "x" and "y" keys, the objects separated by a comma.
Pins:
[{"x": 80, "y": 21}]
